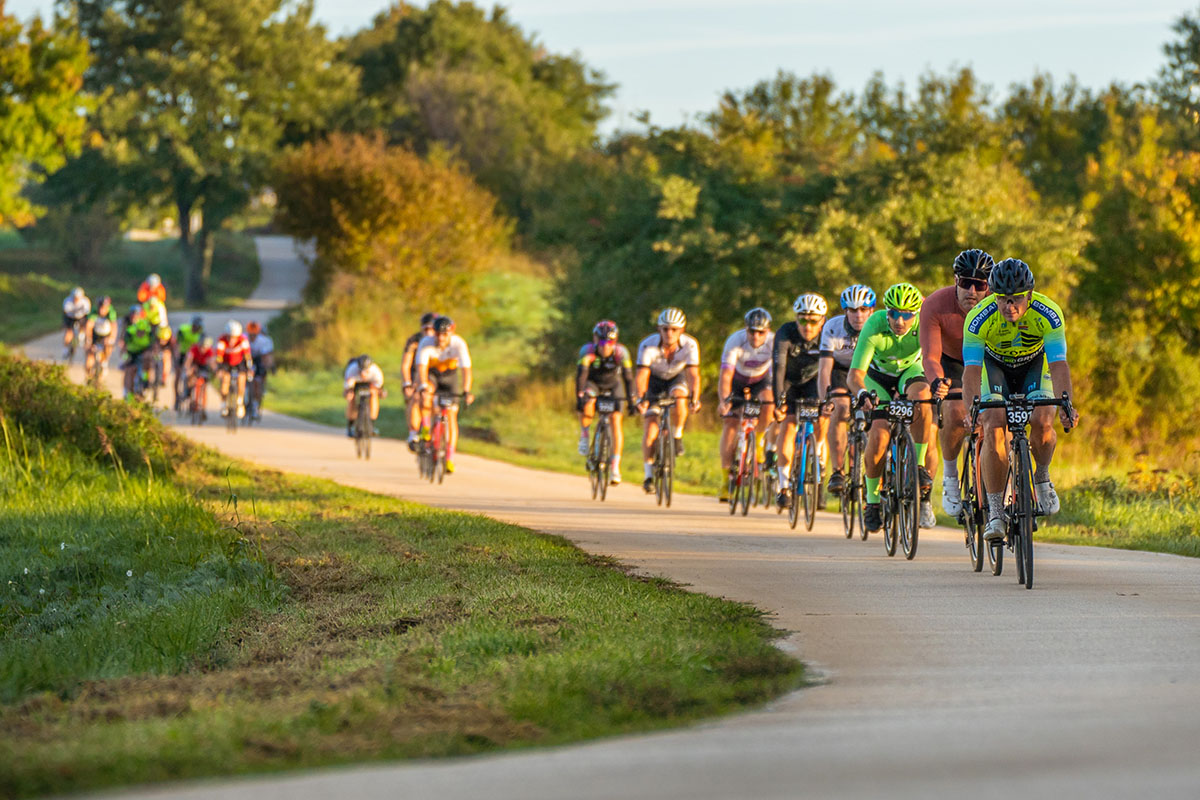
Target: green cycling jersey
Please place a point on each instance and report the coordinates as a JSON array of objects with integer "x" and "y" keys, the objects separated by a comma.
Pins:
[
  {"x": 880, "y": 349},
  {"x": 1040, "y": 330},
  {"x": 188, "y": 336}
]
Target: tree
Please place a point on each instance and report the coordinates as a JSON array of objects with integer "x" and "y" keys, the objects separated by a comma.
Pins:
[
  {"x": 41, "y": 75},
  {"x": 451, "y": 75},
  {"x": 200, "y": 95}
]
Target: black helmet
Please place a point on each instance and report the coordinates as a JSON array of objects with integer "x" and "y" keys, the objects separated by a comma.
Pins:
[
  {"x": 973, "y": 264},
  {"x": 364, "y": 361},
  {"x": 197, "y": 323},
  {"x": 427, "y": 319},
  {"x": 443, "y": 325},
  {"x": 1011, "y": 276},
  {"x": 758, "y": 319}
]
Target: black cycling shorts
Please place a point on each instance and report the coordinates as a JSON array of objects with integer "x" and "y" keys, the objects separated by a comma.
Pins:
[
  {"x": 738, "y": 390},
  {"x": 952, "y": 368}
]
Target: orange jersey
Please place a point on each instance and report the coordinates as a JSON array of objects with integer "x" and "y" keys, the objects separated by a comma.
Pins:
[
  {"x": 144, "y": 292},
  {"x": 233, "y": 351}
]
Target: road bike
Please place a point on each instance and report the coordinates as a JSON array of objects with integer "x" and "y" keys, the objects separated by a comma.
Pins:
[
  {"x": 745, "y": 477},
  {"x": 663, "y": 468},
  {"x": 600, "y": 454},
  {"x": 899, "y": 487},
  {"x": 76, "y": 332},
  {"x": 363, "y": 429},
  {"x": 853, "y": 497},
  {"x": 95, "y": 364},
  {"x": 804, "y": 482},
  {"x": 432, "y": 454},
  {"x": 198, "y": 398},
  {"x": 1020, "y": 503}
]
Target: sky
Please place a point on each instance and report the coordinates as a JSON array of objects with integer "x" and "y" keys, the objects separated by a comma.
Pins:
[{"x": 674, "y": 58}]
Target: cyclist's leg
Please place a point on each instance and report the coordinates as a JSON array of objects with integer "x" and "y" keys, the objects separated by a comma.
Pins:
[
  {"x": 618, "y": 435},
  {"x": 765, "y": 394},
  {"x": 878, "y": 435},
  {"x": 837, "y": 430},
  {"x": 786, "y": 449},
  {"x": 374, "y": 404},
  {"x": 586, "y": 406},
  {"x": 730, "y": 424},
  {"x": 679, "y": 415},
  {"x": 655, "y": 389}
]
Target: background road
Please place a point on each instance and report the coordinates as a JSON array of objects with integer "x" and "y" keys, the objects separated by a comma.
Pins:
[{"x": 936, "y": 681}]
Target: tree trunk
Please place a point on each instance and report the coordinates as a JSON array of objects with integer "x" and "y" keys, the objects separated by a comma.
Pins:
[{"x": 193, "y": 256}]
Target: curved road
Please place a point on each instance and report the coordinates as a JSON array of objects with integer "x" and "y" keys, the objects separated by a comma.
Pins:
[{"x": 935, "y": 681}]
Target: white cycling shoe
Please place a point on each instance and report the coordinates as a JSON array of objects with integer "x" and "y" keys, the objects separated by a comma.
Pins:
[
  {"x": 951, "y": 499},
  {"x": 928, "y": 520},
  {"x": 994, "y": 531},
  {"x": 583, "y": 444},
  {"x": 615, "y": 477},
  {"x": 1046, "y": 496}
]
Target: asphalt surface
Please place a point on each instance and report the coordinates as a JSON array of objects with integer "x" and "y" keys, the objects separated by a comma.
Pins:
[{"x": 934, "y": 681}]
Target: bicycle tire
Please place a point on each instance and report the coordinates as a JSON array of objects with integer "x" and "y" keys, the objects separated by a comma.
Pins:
[
  {"x": 910, "y": 499},
  {"x": 846, "y": 506},
  {"x": 812, "y": 480},
  {"x": 859, "y": 485},
  {"x": 592, "y": 465},
  {"x": 889, "y": 504},
  {"x": 973, "y": 513},
  {"x": 794, "y": 499},
  {"x": 604, "y": 465},
  {"x": 1024, "y": 509},
  {"x": 668, "y": 468},
  {"x": 746, "y": 472}
]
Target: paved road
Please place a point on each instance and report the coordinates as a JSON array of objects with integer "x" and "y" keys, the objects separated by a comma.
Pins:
[{"x": 937, "y": 681}]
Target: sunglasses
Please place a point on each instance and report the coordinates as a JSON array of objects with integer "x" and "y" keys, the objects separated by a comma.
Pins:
[
  {"x": 808, "y": 320},
  {"x": 900, "y": 315},
  {"x": 1012, "y": 299},
  {"x": 973, "y": 283}
]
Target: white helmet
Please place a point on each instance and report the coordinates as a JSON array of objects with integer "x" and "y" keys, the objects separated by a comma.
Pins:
[
  {"x": 77, "y": 292},
  {"x": 810, "y": 304},
  {"x": 858, "y": 296},
  {"x": 233, "y": 328},
  {"x": 153, "y": 281},
  {"x": 671, "y": 318}
]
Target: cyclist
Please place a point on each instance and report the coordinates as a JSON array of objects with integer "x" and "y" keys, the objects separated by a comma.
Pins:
[
  {"x": 668, "y": 365},
  {"x": 233, "y": 355},
  {"x": 152, "y": 287},
  {"x": 408, "y": 369},
  {"x": 76, "y": 308},
  {"x": 262, "y": 353},
  {"x": 362, "y": 370},
  {"x": 100, "y": 334},
  {"x": 838, "y": 339},
  {"x": 168, "y": 349},
  {"x": 1015, "y": 342},
  {"x": 605, "y": 368},
  {"x": 797, "y": 360},
  {"x": 444, "y": 367},
  {"x": 187, "y": 336},
  {"x": 198, "y": 362},
  {"x": 887, "y": 360},
  {"x": 745, "y": 365},
  {"x": 136, "y": 340},
  {"x": 942, "y": 317}
]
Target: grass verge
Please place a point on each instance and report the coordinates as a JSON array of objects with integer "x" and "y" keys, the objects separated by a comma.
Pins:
[
  {"x": 34, "y": 281},
  {"x": 343, "y": 626}
]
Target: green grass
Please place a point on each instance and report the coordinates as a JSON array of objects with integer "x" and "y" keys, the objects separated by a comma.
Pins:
[
  {"x": 273, "y": 622},
  {"x": 34, "y": 281}
]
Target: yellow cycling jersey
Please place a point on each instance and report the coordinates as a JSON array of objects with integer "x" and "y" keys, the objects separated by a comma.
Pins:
[{"x": 1040, "y": 330}]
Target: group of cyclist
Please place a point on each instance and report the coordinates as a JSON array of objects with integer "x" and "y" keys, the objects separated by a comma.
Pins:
[
  {"x": 987, "y": 336},
  {"x": 149, "y": 347}
]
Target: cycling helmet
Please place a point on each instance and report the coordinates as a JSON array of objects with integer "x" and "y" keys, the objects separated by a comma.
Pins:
[
  {"x": 364, "y": 361},
  {"x": 443, "y": 325},
  {"x": 973, "y": 264},
  {"x": 136, "y": 312},
  {"x": 77, "y": 292},
  {"x": 903, "y": 297},
  {"x": 253, "y": 327},
  {"x": 671, "y": 318},
  {"x": 106, "y": 301},
  {"x": 808, "y": 304},
  {"x": 197, "y": 323},
  {"x": 206, "y": 342},
  {"x": 233, "y": 328},
  {"x": 1011, "y": 276},
  {"x": 427, "y": 319},
  {"x": 164, "y": 334},
  {"x": 758, "y": 319},
  {"x": 153, "y": 280},
  {"x": 858, "y": 296},
  {"x": 605, "y": 330}
]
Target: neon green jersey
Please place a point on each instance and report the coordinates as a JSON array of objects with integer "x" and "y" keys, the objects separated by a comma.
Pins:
[
  {"x": 1041, "y": 329},
  {"x": 884, "y": 351}
]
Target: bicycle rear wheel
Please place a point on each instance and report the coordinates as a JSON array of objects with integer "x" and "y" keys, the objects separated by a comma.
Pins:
[
  {"x": 593, "y": 464},
  {"x": 973, "y": 513},
  {"x": 812, "y": 480},
  {"x": 910, "y": 497},
  {"x": 668, "y": 468},
  {"x": 604, "y": 464},
  {"x": 795, "y": 489}
]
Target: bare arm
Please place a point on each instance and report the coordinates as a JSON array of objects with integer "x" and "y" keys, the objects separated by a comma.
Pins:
[
  {"x": 824, "y": 376},
  {"x": 693, "y": 380}
]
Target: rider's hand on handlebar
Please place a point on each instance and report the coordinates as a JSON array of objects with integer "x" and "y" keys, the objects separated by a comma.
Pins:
[
  {"x": 695, "y": 405},
  {"x": 470, "y": 398},
  {"x": 723, "y": 408},
  {"x": 1069, "y": 420},
  {"x": 865, "y": 401},
  {"x": 940, "y": 387},
  {"x": 409, "y": 391},
  {"x": 780, "y": 413}
]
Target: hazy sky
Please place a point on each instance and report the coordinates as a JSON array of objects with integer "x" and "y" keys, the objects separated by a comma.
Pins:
[{"x": 674, "y": 58}]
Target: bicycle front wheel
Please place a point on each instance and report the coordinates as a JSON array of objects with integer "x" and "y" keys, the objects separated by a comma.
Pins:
[
  {"x": 889, "y": 503},
  {"x": 973, "y": 514},
  {"x": 910, "y": 497},
  {"x": 812, "y": 480},
  {"x": 604, "y": 464},
  {"x": 747, "y": 472},
  {"x": 1024, "y": 507}
]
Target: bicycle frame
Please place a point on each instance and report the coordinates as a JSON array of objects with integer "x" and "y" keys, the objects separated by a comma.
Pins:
[
  {"x": 745, "y": 458},
  {"x": 599, "y": 462},
  {"x": 800, "y": 479}
]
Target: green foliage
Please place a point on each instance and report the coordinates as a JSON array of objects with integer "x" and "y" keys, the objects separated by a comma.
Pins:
[
  {"x": 386, "y": 223},
  {"x": 451, "y": 75},
  {"x": 41, "y": 74},
  {"x": 201, "y": 93}
]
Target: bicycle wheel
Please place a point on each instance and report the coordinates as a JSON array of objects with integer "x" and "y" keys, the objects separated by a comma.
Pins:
[
  {"x": 1024, "y": 507},
  {"x": 746, "y": 472},
  {"x": 604, "y": 465},
  {"x": 973, "y": 513},
  {"x": 668, "y": 468},
  {"x": 889, "y": 503},
  {"x": 812, "y": 480},
  {"x": 794, "y": 486},
  {"x": 593, "y": 468},
  {"x": 910, "y": 497},
  {"x": 846, "y": 502}
]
